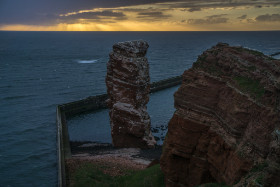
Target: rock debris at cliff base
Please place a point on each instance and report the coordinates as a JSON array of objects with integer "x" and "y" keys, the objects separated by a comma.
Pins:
[{"x": 225, "y": 127}]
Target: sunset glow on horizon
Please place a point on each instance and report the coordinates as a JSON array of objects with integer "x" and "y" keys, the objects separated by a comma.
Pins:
[{"x": 161, "y": 15}]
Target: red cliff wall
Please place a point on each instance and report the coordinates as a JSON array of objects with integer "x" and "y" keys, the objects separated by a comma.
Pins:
[{"x": 227, "y": 121}]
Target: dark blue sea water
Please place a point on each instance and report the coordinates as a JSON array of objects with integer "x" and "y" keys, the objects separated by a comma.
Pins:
[
  {"x": 96, "y": 125},
  {"x": 39, "y": 70}
]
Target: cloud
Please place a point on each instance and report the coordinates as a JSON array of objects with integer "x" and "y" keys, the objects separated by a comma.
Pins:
[
  {"x": 152, "y": 15},
  {"x": 268, "y": 18},
  {"x": 46, "y": 12},
  {"x": 214, "y": 19},
  {"x": 242, "y": 17},
  {"x": 94, "y": 16},
  {"x": 204, "y": 4},
  {"x": 250, "y": 20},
  {"x": 194, "y": 9}
]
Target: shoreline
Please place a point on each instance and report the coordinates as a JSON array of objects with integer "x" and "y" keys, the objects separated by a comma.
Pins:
[
  {"x": 89, "y": 104},
  {"x": 98, "y": 151},
  {"x": 115, "y": 161}
]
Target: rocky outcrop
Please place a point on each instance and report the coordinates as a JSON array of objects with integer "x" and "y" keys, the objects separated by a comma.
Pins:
[
  {"x": 128, "y": 87},
  {"x": 226, "y": 127}
]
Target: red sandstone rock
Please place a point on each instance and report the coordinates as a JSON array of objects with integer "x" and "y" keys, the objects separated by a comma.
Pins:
[
  {"x": 128, "y": 87},
  {"x": 226, "y": 127}
]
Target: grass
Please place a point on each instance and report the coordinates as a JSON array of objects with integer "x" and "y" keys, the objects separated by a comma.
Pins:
[
  {"x": 152, "y": 176},
  {"x": 214, "y": 185},
  {"x": 253, "y": 52},
  {"x": 213, "y": 69},
  {"x": 251, "y": 68},
  {"x": 253, "y": 87},
  {"x": 90, "y": 175},
  {"x": 199, "y": 61},
  {"x": 259, "y": 167},
  {"x": 260, "y": 179}
]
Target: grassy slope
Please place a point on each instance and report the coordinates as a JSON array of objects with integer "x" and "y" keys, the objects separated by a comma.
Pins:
[{"x": 90, "y": 175}]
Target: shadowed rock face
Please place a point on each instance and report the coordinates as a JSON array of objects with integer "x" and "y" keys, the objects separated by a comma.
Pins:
[
  {"x": 128, "y": 87},
  {"x": 226, "y": 126}
]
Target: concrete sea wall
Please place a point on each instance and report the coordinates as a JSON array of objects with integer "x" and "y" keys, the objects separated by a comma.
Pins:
[{"x": 89, "y": 104}]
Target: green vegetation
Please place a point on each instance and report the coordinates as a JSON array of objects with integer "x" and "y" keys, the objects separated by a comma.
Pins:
[
  {"x": 257, "y": 53},
  {"x": 199, "y": 61},
  {"x": 152, "y": 176},
  {"x": 253, "y": 52},
  {"x": 253, "y": 87},
  {"x": 241, "y": 154},
  {"x": 214, "y": 185},
  {"x": 260, "y": 179},
  {"x": 90, "y": 175},
  {"x": 214, "y": 69},
  {"x": 251, "y": 68},
  {"x": 259, "y": 167}
]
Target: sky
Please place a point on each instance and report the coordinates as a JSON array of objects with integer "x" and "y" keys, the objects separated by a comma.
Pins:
[{"x": 139, "y": 15}]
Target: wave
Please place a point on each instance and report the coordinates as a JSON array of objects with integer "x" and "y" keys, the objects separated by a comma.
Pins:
[
  {"x": 87, "y": 61},
  {"x": 18, "y": 97}
]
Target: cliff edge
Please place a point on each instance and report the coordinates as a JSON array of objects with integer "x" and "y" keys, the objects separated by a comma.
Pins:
[{"x": 226, "y": 127}]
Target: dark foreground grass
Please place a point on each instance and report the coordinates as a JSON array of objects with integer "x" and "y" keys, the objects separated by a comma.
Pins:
[
  {"x": 214, "y": 185},
  {"x": 90, "y": 175}
]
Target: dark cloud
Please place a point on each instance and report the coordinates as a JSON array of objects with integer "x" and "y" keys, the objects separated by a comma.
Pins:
[
  {"x": 94, "y": 16},
  {"x": 268, "y": 18},
  {"x": 44, "y": 12},
  {"x": 194, "y": 9},
  {"x": 152, "y": 15},
  {"x": 204, "y": 4},
  {"x": 214, "y": 19},
  {"x": 250, "y": 20},
  {"x": 242, "y": 17}
]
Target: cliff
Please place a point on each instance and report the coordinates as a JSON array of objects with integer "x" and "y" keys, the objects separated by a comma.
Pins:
[
  {"x": 226, "y": 127},
  {"x": 128, "y": 88}
]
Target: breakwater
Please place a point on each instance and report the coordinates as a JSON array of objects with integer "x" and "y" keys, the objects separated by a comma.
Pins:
[
  {"x": 275, "y": 54},
  {"x": 89, "y": 104},
  {"x": 99, "y": 101}
]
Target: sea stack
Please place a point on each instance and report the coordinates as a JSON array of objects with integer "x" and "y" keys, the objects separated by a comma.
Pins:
[
  {"x": 226, "y": 127},
  {"x": 128, "y": 88}
]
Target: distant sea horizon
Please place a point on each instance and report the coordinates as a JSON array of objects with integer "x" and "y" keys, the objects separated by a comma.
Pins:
[
  {"x": 41, "y": 69},
  {"x": 144, "y": 31}
]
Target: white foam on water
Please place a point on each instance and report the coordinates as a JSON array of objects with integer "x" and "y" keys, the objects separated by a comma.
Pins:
[{"x": 87, "y": 61}]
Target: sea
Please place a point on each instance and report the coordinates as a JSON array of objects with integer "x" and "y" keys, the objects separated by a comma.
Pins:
[{"x": 39, "y": 70}]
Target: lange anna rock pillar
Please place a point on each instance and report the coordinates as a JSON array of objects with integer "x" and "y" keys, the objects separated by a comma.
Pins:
[{"x": 128, "y": 88}]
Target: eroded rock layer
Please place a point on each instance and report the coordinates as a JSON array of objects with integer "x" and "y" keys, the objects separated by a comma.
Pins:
[
  {"x": 128, "y": 87},
  {"x": 226, "y": 127}
]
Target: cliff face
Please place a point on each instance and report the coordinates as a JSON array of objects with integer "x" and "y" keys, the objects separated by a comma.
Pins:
[
  {"x": 128, "y": 87},
  {"x": 226, "y": 127}
]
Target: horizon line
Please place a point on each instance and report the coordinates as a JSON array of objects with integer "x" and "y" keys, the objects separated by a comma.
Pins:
[{"x": 145, "y": 31}]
